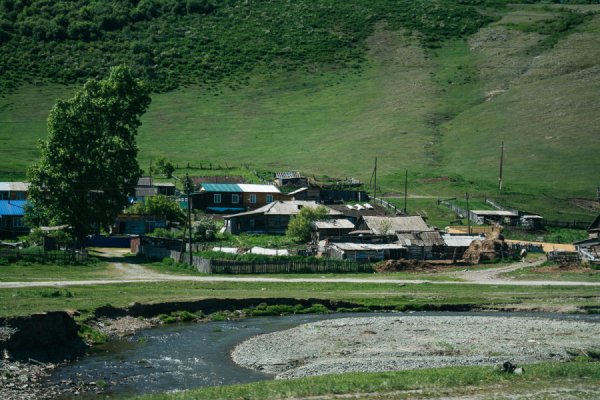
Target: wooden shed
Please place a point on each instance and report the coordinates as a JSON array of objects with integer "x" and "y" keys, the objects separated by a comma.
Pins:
[
  {"x": 427, "y": 245},
  {"x": 326, "y": 229},
  {"x": 366, "y": 251}
]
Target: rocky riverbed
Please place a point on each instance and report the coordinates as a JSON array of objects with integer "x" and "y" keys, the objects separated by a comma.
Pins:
[{"x": 374, "y": 344}]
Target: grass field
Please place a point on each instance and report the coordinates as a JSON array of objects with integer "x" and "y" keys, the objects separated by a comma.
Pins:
[
  {"x": 541, "y": 381},
  {"x": 435, "y": 112}
]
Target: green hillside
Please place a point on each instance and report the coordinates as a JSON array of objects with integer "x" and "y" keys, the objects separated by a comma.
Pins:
[{"x": 432, "y": 87}]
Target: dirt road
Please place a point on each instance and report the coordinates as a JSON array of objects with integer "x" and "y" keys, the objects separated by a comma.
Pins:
[{"x": 127, "y": 272}]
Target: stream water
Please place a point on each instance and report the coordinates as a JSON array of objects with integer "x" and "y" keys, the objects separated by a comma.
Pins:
[{"x": 186, "y": 356}]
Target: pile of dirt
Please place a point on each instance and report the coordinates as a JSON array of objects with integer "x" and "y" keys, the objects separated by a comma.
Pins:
[
  {"x": 443, "y": 178},
  {"x": 566, "y": 266},
  {"x": 489, "y": 249},
  {"x": 411, "y": 266}
]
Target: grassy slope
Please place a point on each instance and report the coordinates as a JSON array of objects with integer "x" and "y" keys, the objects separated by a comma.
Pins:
[{"x": 413, "y": 110}]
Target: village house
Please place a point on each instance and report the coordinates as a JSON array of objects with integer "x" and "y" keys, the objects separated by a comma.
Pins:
[
  {"x": 327, "y": 229},
  {"x": 165, "y": 188},
  {"x": 232, "y": 197},
  {"x": 495, "y": 217},
  {"x": 138, "y": 224},
  {"x": 390, "y": 225},
  {"x": 11, "y": 219},
  {"x": 14, "y": 190},
  {"x": 143, "y": 189},
  {"x": 271, "y": 218},
  {"x": 291, "y": 178}
]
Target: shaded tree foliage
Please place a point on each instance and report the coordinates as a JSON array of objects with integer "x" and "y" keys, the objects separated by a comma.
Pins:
[
  {"x": 299, "y": 226},
  {"x": 88, "y": 163}
]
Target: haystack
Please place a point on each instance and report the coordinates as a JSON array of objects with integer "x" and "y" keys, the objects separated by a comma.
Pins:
[{"x": 482, "y": 250}]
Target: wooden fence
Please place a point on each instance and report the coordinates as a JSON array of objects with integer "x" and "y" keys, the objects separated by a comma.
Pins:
[
  {"x": 477, "y": 229},
  {"x": 389, "y": 206},
  {"x": 40, "y": 255},
  {"x": 274, "y": 267},
  {"x": 566, "y": 224}
]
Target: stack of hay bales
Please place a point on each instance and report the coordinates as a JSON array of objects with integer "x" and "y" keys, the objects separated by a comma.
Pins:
[{"x": 482, "y": 250}]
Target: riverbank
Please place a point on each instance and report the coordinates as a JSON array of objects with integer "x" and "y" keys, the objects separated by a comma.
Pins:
[{"x": 377, "y": 344}]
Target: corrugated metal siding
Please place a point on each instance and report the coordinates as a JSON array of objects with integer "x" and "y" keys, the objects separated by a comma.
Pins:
[
  {"x": 15, "y": 207},
  {"x": 221, "y": 187}
]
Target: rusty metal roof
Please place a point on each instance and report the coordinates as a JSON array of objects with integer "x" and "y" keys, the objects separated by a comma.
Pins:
[
  {"x": 421, "y": 239},
  {"x": 411, "y": 223}
]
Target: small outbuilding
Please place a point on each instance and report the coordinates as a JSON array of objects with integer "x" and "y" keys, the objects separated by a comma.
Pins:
[
  {"x": 427, "y": 245},
  {"x": 326, "y": 229},
  {"x": 366, "y": 251}
]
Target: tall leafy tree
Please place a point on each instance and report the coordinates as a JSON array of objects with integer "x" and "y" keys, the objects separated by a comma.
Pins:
[
  {"x": 299, "y": 226},
  {"x": 88, "y": 163}
]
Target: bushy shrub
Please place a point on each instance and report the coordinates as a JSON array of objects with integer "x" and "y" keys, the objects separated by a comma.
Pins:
[
  {"x": 168, "y": 261},
  {"x": 204, "y": 229}
]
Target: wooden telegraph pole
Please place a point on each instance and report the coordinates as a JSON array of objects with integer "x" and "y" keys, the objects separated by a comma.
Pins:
[
  {"x": 189, "y": 217},
  {"x": 375, "y": 185},
  {"x": 405, "y": 190},
  {"x": 501, "y": 159},
  {"x": 468, "y": 215}
]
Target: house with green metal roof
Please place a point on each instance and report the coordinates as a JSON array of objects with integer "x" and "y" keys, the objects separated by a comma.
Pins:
[{"x": 233, "y": 197}]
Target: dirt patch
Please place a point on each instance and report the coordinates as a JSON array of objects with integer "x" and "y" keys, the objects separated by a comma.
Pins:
[
  {"x": 440, "y": 179},
  {"x": 413, "y": 266},
  {"x": 585, "y": 204},
  {"x": 565, "y": 267}
]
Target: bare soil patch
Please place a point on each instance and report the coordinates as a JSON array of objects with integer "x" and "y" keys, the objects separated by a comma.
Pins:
[
  {"x": 565, "y": 267},
  {"x": 585, "y": 204},
  {"x": 440, "y": 179},
  {"x": 414, "y": 266}
]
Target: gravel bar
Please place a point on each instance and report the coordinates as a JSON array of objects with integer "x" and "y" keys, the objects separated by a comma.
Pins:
[{"x": 374, "y": 344}]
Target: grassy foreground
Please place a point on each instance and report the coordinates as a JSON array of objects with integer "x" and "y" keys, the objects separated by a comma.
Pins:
[
  {"x": 431, "y": 383},
  {"x": 24, "y": 301}
]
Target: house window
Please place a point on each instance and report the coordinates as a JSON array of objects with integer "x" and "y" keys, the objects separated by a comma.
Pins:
[
  {"x": 235, "y": 198},
  {"x": 252, "y": 222},
  {"x": 20, "y": 196},
  {"x": 277, "y": 221},
  {"x": 269, "y": 198},
  {"x": 18, "y": 222},
  {"x": 2, "y": 222},
  {"x": 252, "y": 198},
  {"x": 217, "y": 198},
  {"x": 1, "y": 196}
]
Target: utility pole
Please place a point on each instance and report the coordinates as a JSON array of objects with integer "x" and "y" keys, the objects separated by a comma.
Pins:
[
  {"x": 598, "y": 195},
  {"x": 468, "y": 215},
  {"x": 189, "y": 218},
  {"x": 405, "y": 190},
  {"x": 150, "y": 171},
  {"x": 501, "y": 158},
  {"x": 375, "y": 185}
]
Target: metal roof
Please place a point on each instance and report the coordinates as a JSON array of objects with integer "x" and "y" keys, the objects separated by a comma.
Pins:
[
  {"x": 287, "y": 175},
  {"x": 333, "y": 224},
  {"x": 144, "y": 181},
  {"x": 12, "y": 207},
  {"x": 4, "y": 187},
  {"x": 288, "y": 207},
  {"x": 495, "y": 213},
  {"x": 221, "y": 187},
  {"x": 365, "y": 246},
  {"x": 298, "y": 191},
  {"x": 412, "y": 223},
  {"x": 18, "y": 186},
  {"x": 420, "y": 239},
  {"x": 457, "y": 240},
  {"x": 248, "y": 188},
  {"x": 145, "y": 191},
  {"x": 164, "y": 184}
]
